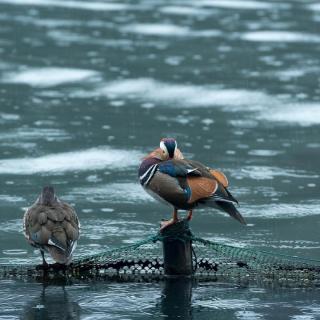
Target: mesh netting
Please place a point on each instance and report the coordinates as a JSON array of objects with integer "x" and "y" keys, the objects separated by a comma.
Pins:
[{"x": 144, "y": 261}]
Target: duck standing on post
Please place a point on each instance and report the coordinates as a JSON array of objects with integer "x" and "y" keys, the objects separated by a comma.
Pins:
[
  {"x": 184, "y": 184},
  {"x": 52, "y": 226}
]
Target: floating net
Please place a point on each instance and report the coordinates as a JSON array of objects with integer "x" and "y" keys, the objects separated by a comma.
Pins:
[{"x": 143, "y": 261}]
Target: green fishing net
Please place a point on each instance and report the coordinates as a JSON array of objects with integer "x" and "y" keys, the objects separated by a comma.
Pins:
[{"x": 143, "y": 261}]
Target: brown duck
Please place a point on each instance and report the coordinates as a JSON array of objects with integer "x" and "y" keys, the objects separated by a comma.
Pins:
[
  {"x": 52, "y": 226},
  {"x": 185, "y": 184}
]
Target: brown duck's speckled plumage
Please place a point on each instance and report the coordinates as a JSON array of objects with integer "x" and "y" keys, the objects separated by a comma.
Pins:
[{"x": 53, "y": 228}]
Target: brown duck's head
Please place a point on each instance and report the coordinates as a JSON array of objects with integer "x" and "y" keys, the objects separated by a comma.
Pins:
[
  {"x": 47, "y": 196},
  {"x": 168, "y": 146}
]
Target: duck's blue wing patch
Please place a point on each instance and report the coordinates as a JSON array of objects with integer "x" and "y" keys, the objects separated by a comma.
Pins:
[
  {"x": 35, "y": 237},
  {"x": 177, "y": 169}
]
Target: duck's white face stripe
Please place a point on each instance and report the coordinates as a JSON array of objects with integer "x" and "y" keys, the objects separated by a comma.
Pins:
[
  {"x": 147, "y": 172},
  {"x": 148, "y": 175},
  {"x": 164, "y": 148},
  {"x": 154, "y": 168}
]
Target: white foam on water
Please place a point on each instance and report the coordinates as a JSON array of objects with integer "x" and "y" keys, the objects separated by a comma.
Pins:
[
  {"x": 82, "y": 160},
  {"x": 107, "y": 209},
  {"x": 64, "y": 36},
  {"x": 48, "y": 77},
  {"x": 28, "y": 146},
  {"x": 14, "y": 252},
  {"x": 15, "y": 225},
  {"x": 179, "y": 95},
  {"x": 310, "y": 312},
  {"x": 55, "y": 23},
  {"x": 125, "y": 192},
  {"x": 283, "y": 210},
  {"x": 25, "y": 135},
  {"x": 224, "y": 239},
  {"x": 313, "y": 145},
  {"x": 182, "y": 119},
  {"x": 157, "y": 29},
  {"x": 280, "y": 36},
  {"x": 8, "y": 117},
  {"x": 268, "y": 192},
  {"x": 248, "y": 315},
  {"x": 283, "y": 244},
  {"x": 184, "y": 11},
  {"x": 303, "y": 114},
  {"x": 97, "y": 229},
  {"x": 84, "y": 5},
  {"x": 314, "y": 6},
  {"x": 236, "y": 4},
  {"x": 244, "y": 123},
  {"x": 10, "y": 198},
  {"x": 264, "y": 153},
  {"x": 168, "y": 30},
  {"x": 269, "y": 173},
  {"x": 206, "y": 33},
  {"x": 289, "y": 74}
]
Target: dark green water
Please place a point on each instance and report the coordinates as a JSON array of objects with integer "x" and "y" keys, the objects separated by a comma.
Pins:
[{"x": 87, "y": 88}]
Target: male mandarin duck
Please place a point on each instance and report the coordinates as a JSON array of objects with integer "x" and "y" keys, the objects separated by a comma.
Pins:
[
  {"x": 52, "y": 226},
  {"x": 184, "y": 184}
]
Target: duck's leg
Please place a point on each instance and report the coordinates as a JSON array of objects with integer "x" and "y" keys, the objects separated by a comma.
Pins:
[
  {"x": 175, "y": 219},
  {"x": 44, "y": 262},
  {"x": 189, "y": 216}
]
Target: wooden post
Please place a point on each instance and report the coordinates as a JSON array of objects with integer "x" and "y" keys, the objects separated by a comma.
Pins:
[{"x": 177, "y": 251}]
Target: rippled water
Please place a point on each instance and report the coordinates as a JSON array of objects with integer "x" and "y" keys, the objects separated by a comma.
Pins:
[{"x": 88, "y": 87}]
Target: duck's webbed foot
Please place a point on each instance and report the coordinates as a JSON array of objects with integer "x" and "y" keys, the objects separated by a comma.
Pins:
[{"x": 167, "y": 223}]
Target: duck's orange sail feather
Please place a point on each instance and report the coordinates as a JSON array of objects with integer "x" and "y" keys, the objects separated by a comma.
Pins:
[{"x": 201, "y": 188}]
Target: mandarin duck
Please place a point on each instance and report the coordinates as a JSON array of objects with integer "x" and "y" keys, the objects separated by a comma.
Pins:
[
  {"x": 52, "y": 226},
  {"x": 184, "y": 184}
]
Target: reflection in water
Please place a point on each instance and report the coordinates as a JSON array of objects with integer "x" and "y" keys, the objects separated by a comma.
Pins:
[
  {"x": 176, "y": 298},
  {"x": 53, "y": 303}
]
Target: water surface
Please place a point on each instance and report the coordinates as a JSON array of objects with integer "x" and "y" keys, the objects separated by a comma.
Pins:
[{"x": 88, "y": 87}]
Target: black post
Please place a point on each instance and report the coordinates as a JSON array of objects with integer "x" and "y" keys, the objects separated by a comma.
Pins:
[{"x": 177, "y": 251}]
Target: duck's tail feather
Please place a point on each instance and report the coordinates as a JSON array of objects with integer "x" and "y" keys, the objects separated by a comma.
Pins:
[
  {"x": 231, "y": 210},
  {"x": 53, "y": 241},
  {"x": 231, "y": 197},
  {"x": 224, "y": 205},
  {"x": 60, "y": 252}
]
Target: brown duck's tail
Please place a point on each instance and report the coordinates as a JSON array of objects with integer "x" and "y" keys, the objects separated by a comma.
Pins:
[
  {"x": 60, "y": 247},
  {"x": 58, "y": 255},
  {"x": 231, "y": 210}
]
